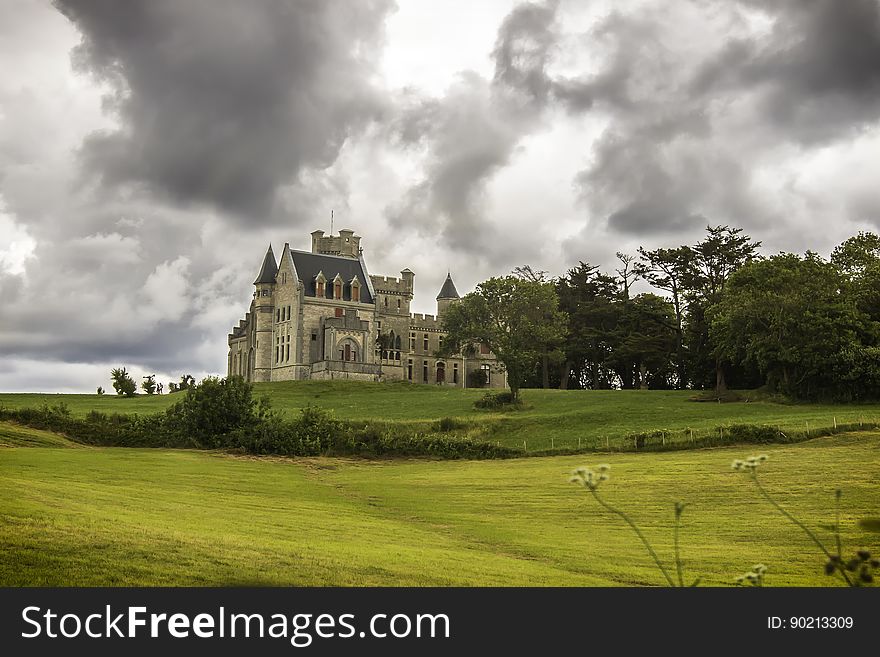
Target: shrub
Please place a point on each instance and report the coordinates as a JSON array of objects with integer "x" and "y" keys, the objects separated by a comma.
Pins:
[
  {"x": 214, "y": 408},
  {"x": 498, "y": 401},
  {"x": 449, "y": 424},
  {"x": 477, "y": 379}
]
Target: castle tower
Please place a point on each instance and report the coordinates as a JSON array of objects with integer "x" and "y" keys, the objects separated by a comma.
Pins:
[
  {"x": 346, "y": 244},
  {"x": 447, "y": 296},
  {"x": 264, "y": 310}
]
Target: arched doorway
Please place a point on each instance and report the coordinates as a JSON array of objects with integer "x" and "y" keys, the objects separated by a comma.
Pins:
[{"x": 441, "y": 372}]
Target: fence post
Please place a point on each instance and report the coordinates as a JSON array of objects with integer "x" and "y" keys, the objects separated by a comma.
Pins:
[
  {"x": 834, "y": 418},
  {"x": 579, "y": 442},
  {"x": 552, "y": 443}
]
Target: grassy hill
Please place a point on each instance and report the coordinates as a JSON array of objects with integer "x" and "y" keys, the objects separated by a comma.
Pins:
[
  {"x": 111, "y": 516},
  {"x": 552, "y": 418},
  {"x": 14, "y": 435}
]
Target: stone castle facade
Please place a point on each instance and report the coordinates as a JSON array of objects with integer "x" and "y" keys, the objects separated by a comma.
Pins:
[{"x": 322, "y": 315}]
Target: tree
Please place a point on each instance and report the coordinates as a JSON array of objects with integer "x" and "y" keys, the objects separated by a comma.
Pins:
[
  {"x": 519, "y": 320},
  {"x": 149, "y": 384},
  {"x": 123, "y": 384},
  {"x": 667, "y": 270},
  {"x": 644, "y": 342},
  {"x": 100, "y": 390},
  {"x": 555, "y": 356},
  {"x": 786, "y": 316},
  {"x": 713, "y": 260}
]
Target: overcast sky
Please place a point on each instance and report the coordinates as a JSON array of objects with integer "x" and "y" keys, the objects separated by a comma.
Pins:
[{"x": 150, "y": 150}]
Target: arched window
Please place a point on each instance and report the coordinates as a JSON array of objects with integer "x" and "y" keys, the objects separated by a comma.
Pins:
[
  {"x": 397, "y": 348},
  {"x": 441, "y": 372}
]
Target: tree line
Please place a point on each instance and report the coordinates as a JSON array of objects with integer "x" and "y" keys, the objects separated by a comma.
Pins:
[{"x": 720, "y": 315}]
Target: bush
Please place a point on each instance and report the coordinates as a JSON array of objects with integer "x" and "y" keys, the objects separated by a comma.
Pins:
[
  {"x": 214, "y": 408},
  {"x": 498, "y": 401},
  {"x": 446, "y": 424},
  {"x": 477, "y": 379}
]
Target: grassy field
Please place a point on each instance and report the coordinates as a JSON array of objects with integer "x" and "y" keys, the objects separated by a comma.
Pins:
[
  {"x": 552, "y": 418},
  {"x": 115, "y": 516}
]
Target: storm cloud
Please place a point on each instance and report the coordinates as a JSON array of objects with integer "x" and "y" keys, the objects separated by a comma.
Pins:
[{"x": 221, "y": 101}]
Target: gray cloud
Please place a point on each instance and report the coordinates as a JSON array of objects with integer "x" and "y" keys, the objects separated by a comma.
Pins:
[
  {"x": 473, "y": 131},
  {"x": 682, "y": 120},
  {"x": 221, "y": 101},
  {"x": 817, "y": 71}
]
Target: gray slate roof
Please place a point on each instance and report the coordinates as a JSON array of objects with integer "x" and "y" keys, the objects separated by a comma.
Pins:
[
  {"x": 448, "y": 290},
  {"x": 269, "y": 268},
  {"x": 309, "y": 264}
]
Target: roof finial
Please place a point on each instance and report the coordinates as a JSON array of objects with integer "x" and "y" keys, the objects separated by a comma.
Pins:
[{"x": 331, "y": 223}]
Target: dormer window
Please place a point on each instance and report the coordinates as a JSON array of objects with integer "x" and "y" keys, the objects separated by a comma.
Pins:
[
  {"x": 320, "y": 282},
  {"x": 355, "y": 289},
  {"x": 337, "y": 287}
]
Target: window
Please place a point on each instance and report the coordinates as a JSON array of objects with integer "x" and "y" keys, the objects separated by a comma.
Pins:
[
  {"x": 398, "y": 304},
  {"x": 340, "y": 312},
  {"x": 278, "y": 315},
  {"x": 386, "y": 301},
  {"x": 288, "y": 313},
  {"x": 484, "y": 348},
  {"x": 409, "y": 369},
  {"x": 314, "y": 337},
  {"x": 412, "y": 341},
  {"x": 455, "y": 372},
  {"x": 424, "y": 371},
  {"x": 441, "y": 373},
  {"x": 487, "y": 371},
  {"x": 320, "y": 290},
  {"x": 355, "y": 292},
  {"x": 426, "y": 342},
  {"x": 337, "y": 290}
]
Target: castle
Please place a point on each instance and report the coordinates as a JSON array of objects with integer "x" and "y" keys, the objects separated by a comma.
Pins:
[{"x": 321, "y": 315}]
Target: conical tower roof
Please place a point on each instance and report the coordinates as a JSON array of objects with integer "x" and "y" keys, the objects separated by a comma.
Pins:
[
  {"x": 448, "y": 290},
  {"x": 269, "y": 268}
]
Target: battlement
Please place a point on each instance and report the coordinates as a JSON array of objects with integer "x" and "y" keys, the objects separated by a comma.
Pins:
[
  {"x": 346, "y": 244},
  {"x": 392, "y": 284},
  {"x": 424, "y": 319}
]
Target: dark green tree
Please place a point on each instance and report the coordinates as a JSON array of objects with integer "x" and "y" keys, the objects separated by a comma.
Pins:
[
  {"x": 668, "y": 270},
  {"x": 123, "y": 384},
  {"x": 786, "y": 316},
  {"x": 149, "y": 384},
  {"x": 713, "y": 260},
  {"x": 590, "y": 299}
]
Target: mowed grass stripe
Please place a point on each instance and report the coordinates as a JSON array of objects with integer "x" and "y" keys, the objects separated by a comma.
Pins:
[
  {"x": 235, "y": 522},
  {"x": 161, "y": 517},
  {"x": 14, "y": 435}
]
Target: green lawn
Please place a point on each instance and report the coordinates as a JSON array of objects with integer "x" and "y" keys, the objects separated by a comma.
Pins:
[
  {"x": 554, "y": 418},
  {"x": 115, "y": 516}
]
